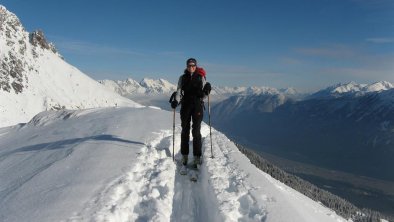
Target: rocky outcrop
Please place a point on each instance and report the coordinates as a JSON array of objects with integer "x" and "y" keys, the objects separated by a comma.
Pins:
[
  {"x": 37, "y": 38},
  {"x": 18, "y": 51},
  {"x": 12, "y": 66}
]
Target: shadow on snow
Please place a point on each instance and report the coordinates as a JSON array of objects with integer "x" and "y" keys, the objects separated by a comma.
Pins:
[{"x": 65, "y": 143}]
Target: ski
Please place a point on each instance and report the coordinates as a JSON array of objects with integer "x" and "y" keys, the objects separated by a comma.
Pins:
[
  {"x": 191, "y": 169},
  {"x": 194, "y": 168},
  {"x": 193, "y": 175},
  {"x": 183, "y": 170}
]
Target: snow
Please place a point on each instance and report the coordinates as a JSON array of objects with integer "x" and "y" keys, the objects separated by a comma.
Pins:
[
  {"x": 103, "y": 157},
  {"x": 352, "y": 89},
  {"x": 115, "y": 164},
  {"x": 159, "y": 86},
  {"x": 379, "y": 86},
  {"x": 146, "y": 86},
  {"x": 48, "y": 81},
  {"x": 153, "y": 87}
]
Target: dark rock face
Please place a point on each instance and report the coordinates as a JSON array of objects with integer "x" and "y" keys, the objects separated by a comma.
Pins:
[
  {"x": 37, "y": 38},
  {"x": 12, "y": 65},
  {"x": 11, "y": 74},
  {"x": 15, "y": 60}
]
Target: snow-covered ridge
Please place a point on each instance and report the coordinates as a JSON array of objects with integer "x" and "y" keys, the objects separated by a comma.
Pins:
[
  {"x": 352, "y": 89},
  {"x": 157, "y": 86},
  {"x": 162, "y": 86},
  {"x": 253, "y": 90},
  {"x": 145, "y": 86},
  {"x": 90, "y": 165},
  {"x": 34, "y": 77}
]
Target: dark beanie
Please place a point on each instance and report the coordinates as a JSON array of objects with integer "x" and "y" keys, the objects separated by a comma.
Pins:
[{"x": 191, "y": 60}]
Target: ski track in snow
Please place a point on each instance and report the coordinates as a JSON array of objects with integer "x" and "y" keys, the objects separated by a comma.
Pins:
[
  {"x": 229, "y": 184},
  {"x": 193, "y": 201},
  {"x": 153, "y": 190},
  {"x": 144, "y": 193}
]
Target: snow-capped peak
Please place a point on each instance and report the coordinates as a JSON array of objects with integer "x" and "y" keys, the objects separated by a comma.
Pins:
[
  {"x": 252, "y": 90},
  {"x": 34, "y": 77},
  {"x": 145, "y": 86},
  {"x": 348, "y": 87},
  {"x": 379, "y": 86},
  {"x": 352, "y": 89},
  {"x": 9, "y": 20},
  {"x": 157, "y": 86},
  {"x": 289, "y": 91}
]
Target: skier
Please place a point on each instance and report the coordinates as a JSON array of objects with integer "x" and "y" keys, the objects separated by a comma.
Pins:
[{"x": 191, "y": 91}]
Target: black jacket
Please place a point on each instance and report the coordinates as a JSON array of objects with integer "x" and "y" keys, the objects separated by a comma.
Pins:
[{"x": 190, "y": 87}]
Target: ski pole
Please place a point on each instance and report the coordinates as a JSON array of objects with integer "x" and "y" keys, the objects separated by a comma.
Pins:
[
  {"x": 173, "y": 137},
  {"x": 209, "y": 120},
  {"x": 172, "y": 98}
]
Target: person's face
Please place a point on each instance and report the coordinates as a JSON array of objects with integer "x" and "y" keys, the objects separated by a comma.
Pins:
[{"x": 191, "y": 67}]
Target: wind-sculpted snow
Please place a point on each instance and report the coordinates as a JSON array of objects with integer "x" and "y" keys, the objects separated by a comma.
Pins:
[
  {"x": 143, "y": 193},
  {"x": 115, "y": 164}
]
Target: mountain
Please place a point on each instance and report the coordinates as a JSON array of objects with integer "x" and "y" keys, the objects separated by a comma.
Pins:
[
  {"x": 368, "y": 108},
  {"x": 34, "y": 77},
  {"x": 252, "y": 90},
  {"x": 260, "y": 100},
  {"x": 114, "y": 164},
  {"x": 159, "y": 92},
  {"x": 146, "y": 86},
  {"x": 347, "y": 128},
  {"x": 96, "y": 165},
  {"x": 351, "y": 89},
  {"x": 161, "y": 86}
]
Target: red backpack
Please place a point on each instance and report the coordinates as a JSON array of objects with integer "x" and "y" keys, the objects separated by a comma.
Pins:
[{"x": 201, "y": 72}]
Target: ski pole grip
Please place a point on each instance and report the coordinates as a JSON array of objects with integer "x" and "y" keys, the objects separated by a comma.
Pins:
[{"x": 172, "y": 98}]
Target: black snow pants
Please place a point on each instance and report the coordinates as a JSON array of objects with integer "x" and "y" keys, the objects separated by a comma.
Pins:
[{"x": 191, "y": 110}]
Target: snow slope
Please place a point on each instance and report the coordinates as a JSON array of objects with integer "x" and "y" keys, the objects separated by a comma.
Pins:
[
  {"x": 34, "y": 77},
  {"x": 146, "y": 86},
  {"x": 115, "y": 164}
]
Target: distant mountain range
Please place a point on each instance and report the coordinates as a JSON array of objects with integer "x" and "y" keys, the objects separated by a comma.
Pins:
[
  {"x": 161, "y": 86},
  {"x": 34, "y": 77},
  {"x": 346, "y": 128},
  {"x": 350, "y": 124},
  {"x": 145, "y": 86},
  {"x": 345, "y": 123},
  {"x": 351, "y": 89}
]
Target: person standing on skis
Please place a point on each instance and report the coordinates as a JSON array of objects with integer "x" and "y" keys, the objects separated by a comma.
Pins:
[{"x": 191, "y": 91}]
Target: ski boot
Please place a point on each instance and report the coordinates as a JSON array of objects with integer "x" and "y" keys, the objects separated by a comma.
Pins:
[{"x": 183, "y": 169}]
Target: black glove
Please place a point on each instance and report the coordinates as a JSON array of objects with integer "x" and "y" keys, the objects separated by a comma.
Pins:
[
  {"x": 207, "y": 88},
  {"x": 174, "y": 104}
]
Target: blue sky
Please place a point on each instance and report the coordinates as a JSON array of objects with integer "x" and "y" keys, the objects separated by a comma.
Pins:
[{"x": 306, "y": 44}]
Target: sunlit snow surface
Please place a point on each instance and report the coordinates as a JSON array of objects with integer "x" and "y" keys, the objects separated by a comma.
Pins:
[{"x": 115, "y": 164}]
